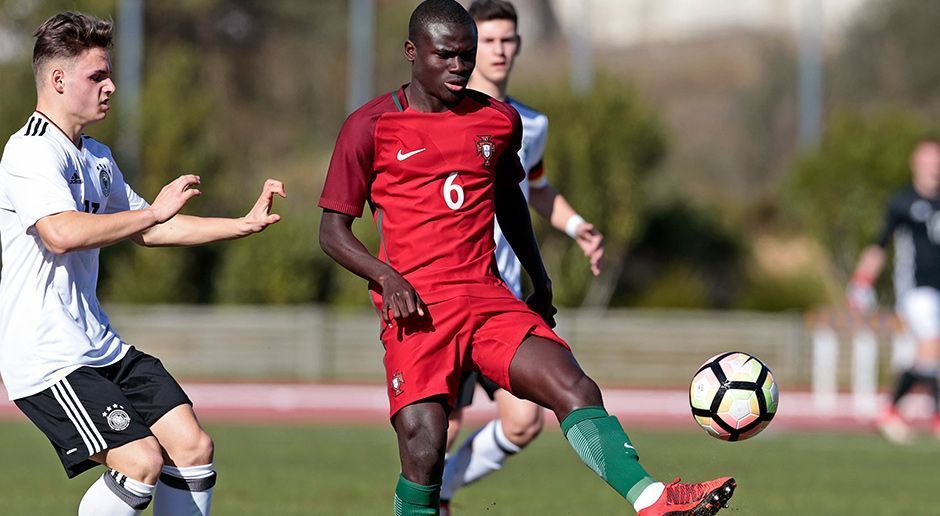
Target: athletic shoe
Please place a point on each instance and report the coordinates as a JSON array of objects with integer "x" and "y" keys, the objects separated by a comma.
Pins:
[
  {"x": 445, "y": 508},
  {"x": 703, "y": 499},
  {"x": 893, "y": 427}
]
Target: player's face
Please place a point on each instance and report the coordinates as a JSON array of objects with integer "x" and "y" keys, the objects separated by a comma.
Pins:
[
  {"x": 497, "y": 47},
  {"x": 87, "y": 85},
  {"x": 443, "y": 59},
  {"x": 926, "y": 165}
]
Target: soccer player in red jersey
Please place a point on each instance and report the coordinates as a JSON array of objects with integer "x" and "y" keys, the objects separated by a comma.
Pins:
[{"x": 436, "y": 162}]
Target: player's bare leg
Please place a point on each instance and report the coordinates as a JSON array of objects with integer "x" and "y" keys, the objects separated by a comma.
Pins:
[
  {"x": 486, "y": 450},
  {"x": 454, "y": 425},
  {"x": 187, "y": 478},
  {"x": 521, "y": 420},
  {"x": 924, "y": 371},
  {"x": 928, "y": 359},
  {"x": 422, "y": 434},
  {"x": 548, "y": 374},
  {"x": 127, "y": 487}
]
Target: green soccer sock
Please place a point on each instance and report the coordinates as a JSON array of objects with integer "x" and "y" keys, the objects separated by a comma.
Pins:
[
  {"x": 413, "y": 499},
  {"x": 605, "y": 448}
]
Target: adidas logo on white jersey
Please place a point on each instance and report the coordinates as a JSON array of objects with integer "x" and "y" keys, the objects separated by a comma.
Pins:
[{"x": 76, "y": 179}]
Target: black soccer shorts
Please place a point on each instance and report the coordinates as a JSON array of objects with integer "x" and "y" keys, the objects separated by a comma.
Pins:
[
  {"x": 97, "y": 408},
  {"x": 468, "y": 383}
]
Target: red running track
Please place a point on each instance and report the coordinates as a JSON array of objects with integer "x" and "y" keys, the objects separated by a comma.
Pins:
[{"x": 316, "y": 403}]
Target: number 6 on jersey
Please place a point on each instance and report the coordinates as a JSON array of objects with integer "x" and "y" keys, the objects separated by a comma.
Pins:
[{"x": 450, "y": 190}]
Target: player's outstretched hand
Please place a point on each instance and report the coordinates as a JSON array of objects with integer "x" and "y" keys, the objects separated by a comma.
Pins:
[
  {"x": 540, "y": 302},
  {"x": 400, "y": 300},
  {"x": 591, "y": 242},
  {"x": 260, "y": 215},
  {"x": 173, "y": 196},
  {"x": 860, "y": 298}
]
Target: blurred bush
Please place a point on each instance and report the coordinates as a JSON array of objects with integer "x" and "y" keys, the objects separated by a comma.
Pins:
[
  {"x": 683, "y": 257},
  {"x": 601, "y": 148}
]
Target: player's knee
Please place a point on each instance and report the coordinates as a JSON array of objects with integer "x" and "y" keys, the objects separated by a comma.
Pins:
[
  {"x": 196, "y": 452},
  {"x": 427, "y": 458},
  {"x": 523, "y": 430},
  {"x": 142, "y": 460}
]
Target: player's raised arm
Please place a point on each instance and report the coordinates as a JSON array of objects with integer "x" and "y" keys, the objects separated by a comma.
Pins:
[{"x": 188, "y": 230}]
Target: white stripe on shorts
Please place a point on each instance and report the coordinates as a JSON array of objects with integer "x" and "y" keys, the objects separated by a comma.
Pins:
[{"x": 76, "y": 412}]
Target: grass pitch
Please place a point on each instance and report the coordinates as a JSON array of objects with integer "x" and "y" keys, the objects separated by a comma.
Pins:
[{"x": 352, "y": 470}]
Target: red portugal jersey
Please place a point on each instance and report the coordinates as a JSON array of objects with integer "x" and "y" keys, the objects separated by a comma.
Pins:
[{"x": 429, "y": 180}]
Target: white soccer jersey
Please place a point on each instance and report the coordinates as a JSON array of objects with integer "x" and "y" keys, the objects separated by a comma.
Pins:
[
  {"x": 50, "y": 320},
  {"x": 534, "y": 136}
]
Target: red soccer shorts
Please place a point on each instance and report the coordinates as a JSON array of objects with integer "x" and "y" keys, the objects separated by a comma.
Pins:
[{"x": 425, "y": 358}]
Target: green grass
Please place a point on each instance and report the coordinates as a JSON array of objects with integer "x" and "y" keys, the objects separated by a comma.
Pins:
[{"x": 351, "y": 470}]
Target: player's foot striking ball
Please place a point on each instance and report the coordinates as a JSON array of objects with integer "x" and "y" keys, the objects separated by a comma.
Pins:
[
  {"x": 435, "y": 162},
  {"x": 703, "y": 499}
]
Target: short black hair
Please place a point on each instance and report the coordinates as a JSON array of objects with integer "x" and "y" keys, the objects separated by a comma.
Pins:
[
  {"x": 436, "y": 11},
  {"x": 486, "y": 10}
]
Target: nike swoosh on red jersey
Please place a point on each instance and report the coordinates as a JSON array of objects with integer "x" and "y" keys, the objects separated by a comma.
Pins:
[{"x": 403, "y": 157}]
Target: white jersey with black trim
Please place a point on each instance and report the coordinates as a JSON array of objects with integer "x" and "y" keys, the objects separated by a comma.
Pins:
[
  {"x": 534, "y": 137},
  {"x": 51, "y": 322}
]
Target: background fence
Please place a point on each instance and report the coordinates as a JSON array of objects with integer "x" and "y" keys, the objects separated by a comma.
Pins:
[{"x": 631, "y": 348}]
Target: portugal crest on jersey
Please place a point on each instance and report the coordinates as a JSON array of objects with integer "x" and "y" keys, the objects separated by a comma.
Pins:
[
  {"x": 486, "y": 149},
  {"x": 105, "y": 175},
  {"x": 397, "y": 383}
]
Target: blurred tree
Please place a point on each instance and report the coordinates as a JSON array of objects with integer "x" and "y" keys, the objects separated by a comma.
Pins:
[
  {"x": 839, "y": 191},
  {"x": 600, "y": 149},
  {"x": 889, "y": 58}
]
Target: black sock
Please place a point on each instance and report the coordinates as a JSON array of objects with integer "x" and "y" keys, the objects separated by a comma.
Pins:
[
  {"x": 906, "y": 382},
  {"x": 933, "y": 388}
]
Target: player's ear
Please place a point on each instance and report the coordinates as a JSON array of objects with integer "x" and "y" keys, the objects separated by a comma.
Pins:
[
  {"x": 518, "y": 45},
  {"x": 411, "y": 52},
  {"x": 57, "y": 80}
]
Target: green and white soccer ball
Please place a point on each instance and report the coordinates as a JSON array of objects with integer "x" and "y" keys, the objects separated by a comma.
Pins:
[{"x": 733, "y": 396}]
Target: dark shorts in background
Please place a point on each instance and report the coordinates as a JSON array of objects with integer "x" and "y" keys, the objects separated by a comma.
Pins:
[
  {"x": 97, "y": 408},
  {"x": 468, "y": 384}
]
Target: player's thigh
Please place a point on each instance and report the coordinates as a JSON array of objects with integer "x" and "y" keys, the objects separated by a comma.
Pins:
[
  {"x": 83, "y": 415},
  {"x": 184, "y": 440},
  {"x": 920, "y": 310},
  {"x": 503, "y": 325},
  {"x": 548, "y": 374}
]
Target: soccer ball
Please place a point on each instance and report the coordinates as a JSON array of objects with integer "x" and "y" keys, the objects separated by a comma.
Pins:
[{"x": 733, "y": 396}]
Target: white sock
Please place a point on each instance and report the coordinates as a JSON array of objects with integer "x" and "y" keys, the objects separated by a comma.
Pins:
[
  {"x": 114, "y": 494},
  {"x": 184, "y": 491},
  {"x": 649, "y": 496},
  {"x": 482, "y": 453}
]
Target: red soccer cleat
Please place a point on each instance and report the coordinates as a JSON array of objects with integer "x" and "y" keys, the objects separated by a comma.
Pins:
[
  {"x": 893, "y": 427},
  {"x": 702, "y": 499},
  {"x": 445, "y": 508}
]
